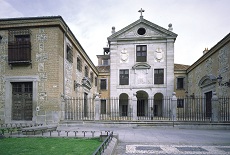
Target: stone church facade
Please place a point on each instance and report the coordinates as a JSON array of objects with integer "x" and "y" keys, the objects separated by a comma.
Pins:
[
  {"x": 141, "y": 65},
  {"x": 42, "y": 65}
]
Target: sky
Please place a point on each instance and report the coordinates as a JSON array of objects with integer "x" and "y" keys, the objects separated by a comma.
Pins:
[{"x": 199, "y": 24}]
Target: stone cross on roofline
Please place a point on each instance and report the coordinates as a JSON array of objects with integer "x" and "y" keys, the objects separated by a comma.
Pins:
[{"x": 141, "y": 11}]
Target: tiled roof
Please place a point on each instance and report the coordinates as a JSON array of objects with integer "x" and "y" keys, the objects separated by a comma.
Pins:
[{"x": 181, "y": 67}]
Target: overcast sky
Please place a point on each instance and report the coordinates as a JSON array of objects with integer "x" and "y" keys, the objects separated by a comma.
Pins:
[{"x": 199, "y": 24}]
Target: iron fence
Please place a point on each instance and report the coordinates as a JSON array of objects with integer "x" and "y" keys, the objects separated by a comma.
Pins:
[
  {"x": 147, "y": 109},
  {"x": 224, "y": 109}
]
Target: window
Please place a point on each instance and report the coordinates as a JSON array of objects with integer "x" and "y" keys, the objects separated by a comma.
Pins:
[
  {"x": 103, "y": 84},
  {"x": 95, "y": 81},
  {"x": 180, "y": 83},
  {"x": 124, "y": 77},
  {"x": 180, "y": 103},
  {"x": 158, "y": 76},
  {"x": 103, "y": 106},
  {"x": 105, "y": 62},
  {"x": 141, "y": 53},
  {"x": 69, "y": 56},
  {"x": 141, "y": 31},
  {"x": 19, "y": 47},
  {"x": 91, "y": 77},
  {"x": 79, "y": 64},
  {"x": 86, "y": 71}
]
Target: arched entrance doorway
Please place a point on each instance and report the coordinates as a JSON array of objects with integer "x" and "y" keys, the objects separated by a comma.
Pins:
[
  {"x": 123, "y": 104},
  {"x": 158, "y": 104},
  {"x": 142, "y": 103}
]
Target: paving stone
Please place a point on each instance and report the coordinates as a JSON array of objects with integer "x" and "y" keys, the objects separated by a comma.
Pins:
[{"x": 191, "y": 149}]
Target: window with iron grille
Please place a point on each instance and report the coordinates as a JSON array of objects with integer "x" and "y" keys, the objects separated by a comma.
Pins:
[
  {"x": 103, "y": 106},
  {"x": 19, "y": 46},
  {"x": 69, "y": 56},
  {"x": 103, "y": 84},
  {"x": 158, "y": 76},
  {"x": 79, "y": 64},
  {"x": 141, "y": 53},
  {"x": 124, "y": 77},
  {"x": 86, "y": 71},
  {"x": 95, "y": 81},
  {"x": 180, "y": 83},
  {"x": 91, "y": 77}
]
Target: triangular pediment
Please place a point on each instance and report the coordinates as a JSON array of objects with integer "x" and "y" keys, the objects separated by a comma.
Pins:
[{"x": 151, "y": 31}]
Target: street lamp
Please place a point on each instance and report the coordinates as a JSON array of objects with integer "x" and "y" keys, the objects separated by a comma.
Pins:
[{"x": 219, "y": 80}]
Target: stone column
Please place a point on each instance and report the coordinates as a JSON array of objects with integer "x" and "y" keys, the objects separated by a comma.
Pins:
[
  {"x": 134, "y": 107},
  {"x": 215, "y": 108},
  {"x": 97, "y": 107},
  {"x": 174, "y": 107}
]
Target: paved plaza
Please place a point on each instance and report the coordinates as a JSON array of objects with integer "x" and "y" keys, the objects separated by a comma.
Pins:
[
  {"x": 189, "y": 140},
  {"x": 166, "y": 140}
]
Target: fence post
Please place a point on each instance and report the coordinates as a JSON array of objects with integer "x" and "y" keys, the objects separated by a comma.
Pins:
[
  {"x": 174, "y": 107},
  {"x": 97, "y": 107},
  {"x": 215, "y": 108},
  {"x": 134, "y": 107}
]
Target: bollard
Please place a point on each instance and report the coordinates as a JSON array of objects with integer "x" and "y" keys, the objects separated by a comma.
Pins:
[
  {"x": 75, "y": 132},
  {"x": 58, "y": 132},
  {"x": 84, "y": 132},
  {"x": 67, "y": 133},
  {"x": 92, "y": 133}
]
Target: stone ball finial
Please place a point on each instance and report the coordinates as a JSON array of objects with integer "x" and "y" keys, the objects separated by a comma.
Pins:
[
  {"x": 170, "y": 27},
  {"x": 113, "y": 30}
]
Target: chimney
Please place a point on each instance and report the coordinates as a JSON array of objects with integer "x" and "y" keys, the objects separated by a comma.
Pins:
[
  {"x": 205, "y": 51},
  {"x": 113, "y": 30}
]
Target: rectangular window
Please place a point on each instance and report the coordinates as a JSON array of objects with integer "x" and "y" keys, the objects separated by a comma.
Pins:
[
  {"x": 103, "y": 106},
  {"x": 158, "y": 76},
  {"x": 105, "y": 62},
  {"x": 19, "y": 47},
  {"x": 69, "y": 53},
  {"x": 79, "y": 65},
  {"x": 124, "y": 77},
  {"x": 180, "y": 103},
  {"x": 180, "y": 83},
  {"x": 103, "y": 84},
  {"x": 86, "y": 71},
  {"x": 95, "y": 81},
  {"x": 141, "y": 53},
  {"x": 91, "y": 77}
]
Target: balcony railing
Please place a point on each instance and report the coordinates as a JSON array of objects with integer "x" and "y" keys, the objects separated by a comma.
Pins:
[{"x": 19, "y": 52}]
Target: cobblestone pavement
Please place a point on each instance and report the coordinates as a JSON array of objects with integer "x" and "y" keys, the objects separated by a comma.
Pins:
[{"x": 173, "y": 141}]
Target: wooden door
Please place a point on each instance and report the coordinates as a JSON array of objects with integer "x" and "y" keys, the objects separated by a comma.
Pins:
[
  {"x": 208, "y": 99},
  {"x": 22, "y": 94}
]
